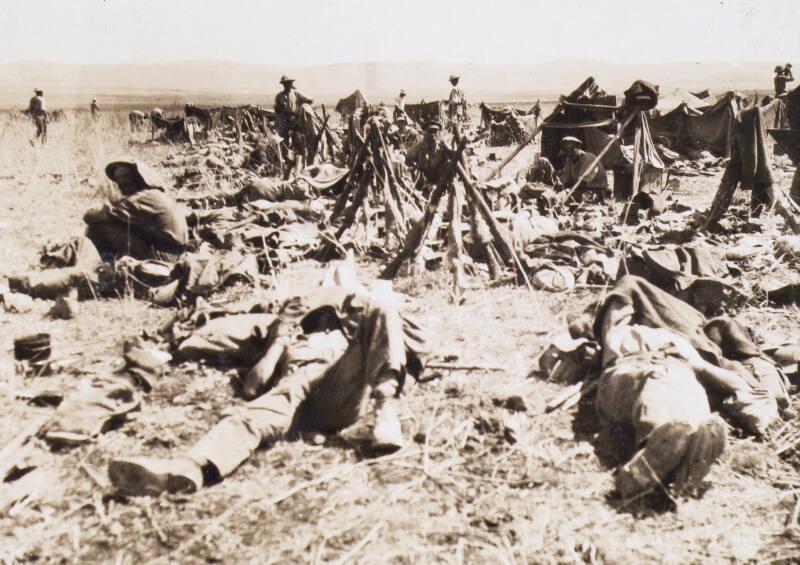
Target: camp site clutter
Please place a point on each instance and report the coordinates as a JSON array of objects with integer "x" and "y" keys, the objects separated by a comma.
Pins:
[{"x": 579, "y": 196}]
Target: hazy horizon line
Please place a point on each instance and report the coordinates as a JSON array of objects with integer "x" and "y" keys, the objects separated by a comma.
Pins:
[{"x": 390, "y": 62}]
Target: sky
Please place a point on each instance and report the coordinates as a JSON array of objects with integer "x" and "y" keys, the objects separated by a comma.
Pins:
[{"x": 314, "y": 32}]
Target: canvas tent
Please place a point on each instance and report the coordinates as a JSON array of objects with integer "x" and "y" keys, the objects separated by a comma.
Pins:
[
  {"x": 427, "y": 111},
  {"x": 350, "y": 104},
  {"x": 506, "y": 125},
  {"x": 677, "y": 98},
  {"x": 792, "y": 101},
  {"x": 705, "y": 96},
  {"x": 688, "y": 122},
  {"x": 590, "y": 114}
]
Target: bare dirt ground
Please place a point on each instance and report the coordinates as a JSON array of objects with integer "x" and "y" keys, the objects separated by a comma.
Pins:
[{"x": 478, "y": 483}]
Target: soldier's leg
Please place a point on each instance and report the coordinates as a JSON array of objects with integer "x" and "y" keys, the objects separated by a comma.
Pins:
[
  {"x": 113, "y": 237},
  {"x": 674, "y": 428},
  {"x": 373, "y": 365},
  {"x": 226, "y": 446},
  {"x": 264, "y": 419}
]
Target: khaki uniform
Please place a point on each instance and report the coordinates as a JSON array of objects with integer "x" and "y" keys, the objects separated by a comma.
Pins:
[
  {"x": 399, "y": 107},
  {"x": 650, "y": 386},
  {"x": 427, "y": 156},
  {"x": 142, "y": 225},
  {"x": 457, "y": 104},
  {"x": 287, "y": 105},
  {"x": 323, "y": 380},
  {"x": 596, "y": 181},
  {"x": 780, "y": 82},
  {"x": 37, "y": 107}
]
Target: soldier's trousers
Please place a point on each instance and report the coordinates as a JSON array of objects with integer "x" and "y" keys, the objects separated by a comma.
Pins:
[
  {"x": 41, "y": 128},
  {"x": 326, "y": 384},
  {"x": 113, "y": 237}
]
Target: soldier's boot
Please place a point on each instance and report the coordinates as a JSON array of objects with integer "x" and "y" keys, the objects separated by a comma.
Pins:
[
  {"x": 654, "y": 463},
  {"x": 387, "y": 433},
  {"x": 149, "y": 476}
]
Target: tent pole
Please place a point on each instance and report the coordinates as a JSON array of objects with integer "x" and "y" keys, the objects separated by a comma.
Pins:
[{"x": 637, "y": 157}]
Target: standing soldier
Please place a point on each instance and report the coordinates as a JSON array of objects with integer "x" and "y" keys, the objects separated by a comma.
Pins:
[
  {"x": 94, "y": 108},
  {"x": 400, "y": 105},
  {"x": 537, "y": 113},
  {"x": 782, "y": 76},
  {"x": 457, "y": 103},
  {"x": 287, "y": 107},
  {"x": 37, "y": 108}
]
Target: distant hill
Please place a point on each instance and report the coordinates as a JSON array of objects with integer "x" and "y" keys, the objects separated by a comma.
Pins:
[{"x": 207, "y": 82}]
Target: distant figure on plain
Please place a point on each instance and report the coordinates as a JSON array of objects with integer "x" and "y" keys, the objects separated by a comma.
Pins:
[
  {"x": 37, "y": 108},
  {"x": 400, "y": 105},
  {"x": 95, "y": 109},
  {"x": 782, "y": 76},
  {"x": 457, "y": 102}
]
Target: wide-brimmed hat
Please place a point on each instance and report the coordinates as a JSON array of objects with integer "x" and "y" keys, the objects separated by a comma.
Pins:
[
  {"x": 433, "y": 124},
  {"x": 454, "y": 77},
  {"x": 402, "y": 92},
  {"x": 147, "y": 174},
  {"x": 778, "y": 69},
  {"x": 38, "y": 91},
  {"x": 285, "y": 79},
  {"x": 567, "y": 141}
]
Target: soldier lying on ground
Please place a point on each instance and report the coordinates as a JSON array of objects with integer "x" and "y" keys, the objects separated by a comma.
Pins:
[
  {"x": 663, "y": 367},
  {"x": 650, "y": 384},
  {"x": 327, "y": 353}
]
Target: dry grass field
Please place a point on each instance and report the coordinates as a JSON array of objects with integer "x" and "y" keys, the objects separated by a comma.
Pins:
[{"x": 479, "y": 483}]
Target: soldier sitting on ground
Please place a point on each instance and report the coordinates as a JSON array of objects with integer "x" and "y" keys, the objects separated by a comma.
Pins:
[
  {"x": 576, "y": 163},
  {"x": 428, "y": 155},
  {"x": 145, "y": 224},
  {"x": 402, "y": 136}
]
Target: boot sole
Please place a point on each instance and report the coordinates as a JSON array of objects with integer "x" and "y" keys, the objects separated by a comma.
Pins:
[{"x": 136, "y": 479}]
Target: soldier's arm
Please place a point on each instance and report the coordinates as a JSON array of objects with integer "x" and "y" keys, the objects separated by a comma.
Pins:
[
  {"x": 135, "y": 210},
  {"x": 584, "y": 162},
  {"x": 413, "y": 154},
  {"x": 564, "y": 177},
  {"x": 304, "y": 99}
]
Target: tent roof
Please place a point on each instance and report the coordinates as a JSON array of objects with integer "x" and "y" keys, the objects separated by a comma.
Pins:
[
  {"x": 350, "y": 103},
  {"x": 670, "y": 101}
]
